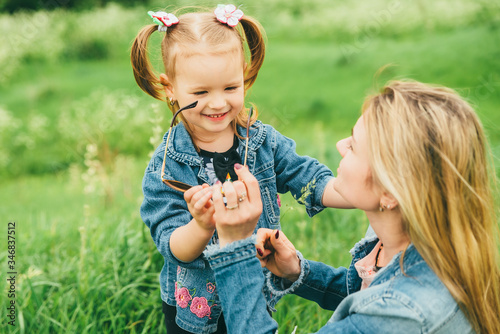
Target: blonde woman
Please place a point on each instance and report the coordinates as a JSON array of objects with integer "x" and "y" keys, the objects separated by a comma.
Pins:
[{"x": 417, "y": 163}]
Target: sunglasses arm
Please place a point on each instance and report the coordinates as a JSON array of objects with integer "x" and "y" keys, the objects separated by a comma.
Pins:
[{"x": 192, "y": 105}]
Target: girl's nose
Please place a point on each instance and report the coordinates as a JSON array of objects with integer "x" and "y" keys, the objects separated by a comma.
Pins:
[
  {"x": 342, "y": 146},
  {"x": 217, "y": 102}
]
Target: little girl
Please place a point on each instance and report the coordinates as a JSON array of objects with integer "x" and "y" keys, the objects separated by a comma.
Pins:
[{"x": 207, "y": 69}]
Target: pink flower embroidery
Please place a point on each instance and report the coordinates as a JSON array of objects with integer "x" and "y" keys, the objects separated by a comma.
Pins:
[
  {"x": 210, "y": 287},
  {"x": 279, "y": 200},
  {"x": 182, "y": 296},
  {"x": 228, "y": 14},
  {"x": 199, "y": 306}
]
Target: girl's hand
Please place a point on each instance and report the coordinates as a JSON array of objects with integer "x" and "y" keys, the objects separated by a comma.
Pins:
[
  {"x": 238, "y": 219},
  {"x": 200, "y": 206},
  {"x": 277, "y": 254}
]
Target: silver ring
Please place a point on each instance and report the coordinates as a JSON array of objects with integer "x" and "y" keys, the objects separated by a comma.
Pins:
[
  {"x": 242, "y": 197},
  {"x": 232, "y": 207}
]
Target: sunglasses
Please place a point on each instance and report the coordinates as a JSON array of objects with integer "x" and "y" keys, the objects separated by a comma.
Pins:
[{"x": 181, "y": 186}]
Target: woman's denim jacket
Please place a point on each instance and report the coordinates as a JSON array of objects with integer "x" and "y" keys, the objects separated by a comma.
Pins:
[
  {"x": 271, "y": 159},
  {"x": 413, "y": 301}
]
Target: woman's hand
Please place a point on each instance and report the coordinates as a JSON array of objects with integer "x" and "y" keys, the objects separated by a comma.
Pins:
[
  {"x": 238, "y": 219},
  {"x": 277, "y": 254},
  {"x": 200, "y": 206}
]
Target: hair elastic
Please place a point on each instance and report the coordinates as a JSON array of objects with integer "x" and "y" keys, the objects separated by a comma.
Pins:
[
  {"x": 228, "y": 14},
  {"x": 163, "y": 19}
]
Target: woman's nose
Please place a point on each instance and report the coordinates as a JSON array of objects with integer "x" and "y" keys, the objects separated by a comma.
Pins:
[{"x": 342, "y": 146}]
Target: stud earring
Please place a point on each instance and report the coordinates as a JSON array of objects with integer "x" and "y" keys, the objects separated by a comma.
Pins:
[
  {"x": 172, "y": 102},
  {"x": 380, "y": 208}
]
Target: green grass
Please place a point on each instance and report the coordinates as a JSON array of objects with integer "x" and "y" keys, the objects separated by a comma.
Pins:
[
  {"x": 49, "y": 88},
  {"x": 88, "y": 265},
  {"x": 76, "y": 136}
]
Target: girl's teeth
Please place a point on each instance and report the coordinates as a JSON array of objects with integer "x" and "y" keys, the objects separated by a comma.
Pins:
[{"x": 215, "y": 116}]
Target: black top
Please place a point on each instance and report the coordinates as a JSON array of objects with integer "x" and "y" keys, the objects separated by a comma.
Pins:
[{"x": 219, "y": 164}]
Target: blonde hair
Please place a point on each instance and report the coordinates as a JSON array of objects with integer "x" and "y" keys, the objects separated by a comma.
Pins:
[
  {"x": 428, "y": 149},
  {"x": 197, "y": 29}
]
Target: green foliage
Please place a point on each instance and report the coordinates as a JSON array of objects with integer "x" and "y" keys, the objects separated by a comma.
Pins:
[
  {"x": 60, "y": 35},
  {"x": 19, "y": 5}
]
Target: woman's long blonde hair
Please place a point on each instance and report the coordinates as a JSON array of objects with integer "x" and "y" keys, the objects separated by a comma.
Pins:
[
  {"x": 195, "y": 29},
  {"x": 429, "y": 150}
]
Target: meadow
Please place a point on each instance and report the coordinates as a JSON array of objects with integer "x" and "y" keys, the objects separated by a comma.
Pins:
[{"x": 76, "y": 134}]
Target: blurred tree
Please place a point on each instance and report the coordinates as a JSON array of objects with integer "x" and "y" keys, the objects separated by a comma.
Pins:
[
  {"x": 16, "y": 5},
  {"x": 11, "y": 5}
]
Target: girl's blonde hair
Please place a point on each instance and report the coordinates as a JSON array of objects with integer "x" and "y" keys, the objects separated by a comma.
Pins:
[
  {"x": 196, "y": 29},
  {"x": 428, "y": 149}
]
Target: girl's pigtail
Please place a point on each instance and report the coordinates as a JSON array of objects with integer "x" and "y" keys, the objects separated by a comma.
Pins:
[
  {"x": 257, "y": 47},
  {"x": 143, "y": 71}
]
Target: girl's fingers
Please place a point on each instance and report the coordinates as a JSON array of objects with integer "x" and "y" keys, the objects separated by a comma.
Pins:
[
  {"x": 203, "y": 200},
  {"x": 188, "y": 195}
]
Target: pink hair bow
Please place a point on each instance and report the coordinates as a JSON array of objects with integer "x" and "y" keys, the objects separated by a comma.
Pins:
[
  {"x": 228, "y": 14},
  {"x": 164, "y": 20}
]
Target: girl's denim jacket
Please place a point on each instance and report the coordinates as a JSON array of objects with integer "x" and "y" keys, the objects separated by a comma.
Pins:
[
  {"x": 413, "y": 301},
  {"x": 272, "y": 160}
]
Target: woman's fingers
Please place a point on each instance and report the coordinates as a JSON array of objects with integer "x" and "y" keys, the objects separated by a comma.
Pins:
[
  {"x": 280, "y": 243},
  {"x": 217, "y": 197},
  {"x": 285, "y": 262},
  {"x": 231, "y": 196},
  {"x": 263, "y": 262},
  {"x": 251, "y": 183},
  {"x": 262, "y": 243},
  {"x": 237, "y": 219}
]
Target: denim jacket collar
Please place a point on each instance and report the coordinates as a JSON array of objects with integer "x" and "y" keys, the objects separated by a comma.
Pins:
[
  {"x": 181, "y": 148},
  {"x": 364, "y": 246},
  {"x": 411, "y": 258},
  {"x": 393, "y": 268}
]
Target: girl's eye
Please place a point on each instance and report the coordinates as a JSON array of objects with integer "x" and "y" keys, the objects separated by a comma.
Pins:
[
  {"x": 231, "y": 88},
  {"x": 200, "y": 92}
]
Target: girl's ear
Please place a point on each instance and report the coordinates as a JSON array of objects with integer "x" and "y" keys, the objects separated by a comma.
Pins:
[{"x": 167, "y": 85}]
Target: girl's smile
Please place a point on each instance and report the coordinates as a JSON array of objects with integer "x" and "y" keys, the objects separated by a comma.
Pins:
[{"x": 217, "y": 117}]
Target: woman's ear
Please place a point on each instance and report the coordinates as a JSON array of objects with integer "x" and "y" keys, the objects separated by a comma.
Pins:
[
  {"x": 167, "y": 85},
  {"x": 388, "y": 202}
]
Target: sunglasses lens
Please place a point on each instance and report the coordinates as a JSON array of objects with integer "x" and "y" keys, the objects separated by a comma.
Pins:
[{"x": 176, "y": 185}]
